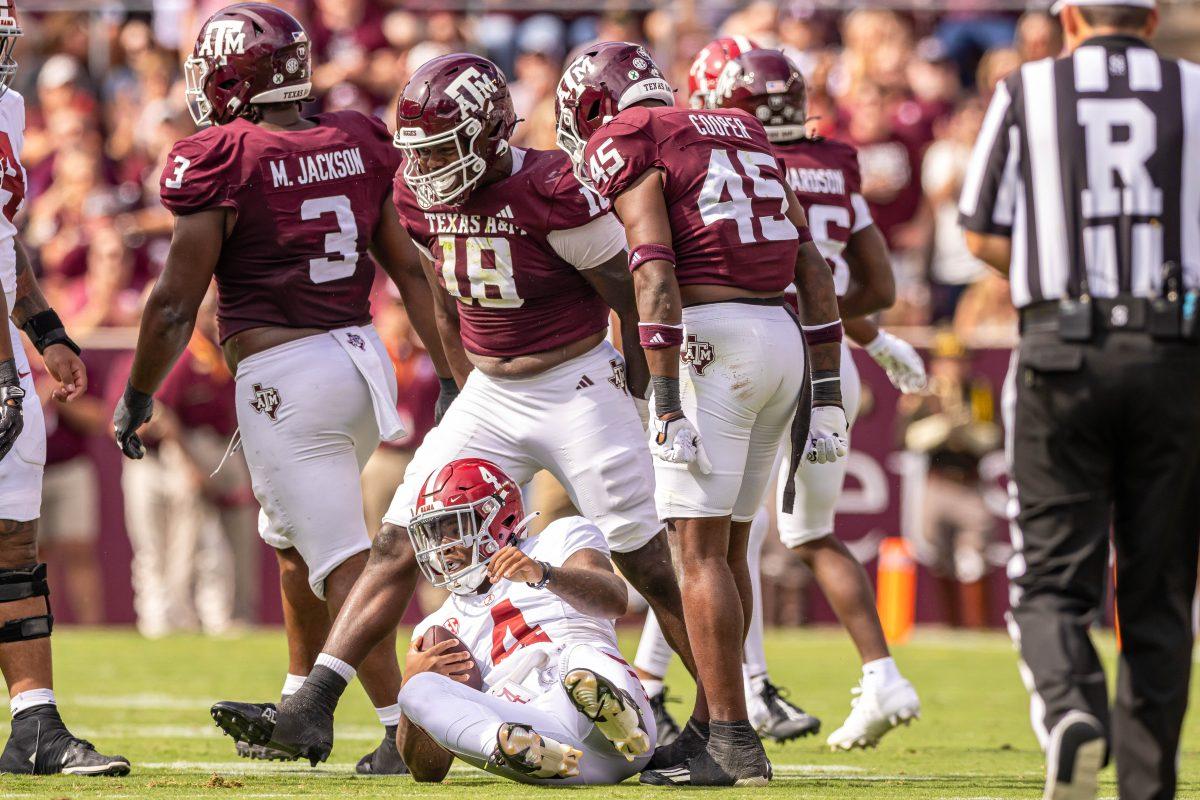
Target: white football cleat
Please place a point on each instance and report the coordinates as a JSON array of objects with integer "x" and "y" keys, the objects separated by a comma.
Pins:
[
  {"x": 874, "y": 711},
  {"x": 528, "y": 752},
  {"x": 612, "y": 711}
]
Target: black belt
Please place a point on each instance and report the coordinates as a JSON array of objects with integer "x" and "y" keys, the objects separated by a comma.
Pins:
[{"x": 1120, "y": 313}]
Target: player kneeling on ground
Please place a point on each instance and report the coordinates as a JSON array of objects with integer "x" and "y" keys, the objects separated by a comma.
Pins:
[{"x": 533, "y": 688}]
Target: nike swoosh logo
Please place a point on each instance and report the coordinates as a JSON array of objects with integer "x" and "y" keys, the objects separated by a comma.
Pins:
[
  {"x": 23, "y": 374},
  {"x": 36, "y": 744}
]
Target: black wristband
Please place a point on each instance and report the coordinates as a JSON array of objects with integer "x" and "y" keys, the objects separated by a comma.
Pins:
[
  {"x": 448, "y": 385},
  {"x": 547, "y": 572},
  {"x": 8, "y": 373},
  {"x": 135, "y": 399},
  {"x": 45, "y": 328},
  {"x": 826, "y": 387},
  {"x": 666, "y": 395}
]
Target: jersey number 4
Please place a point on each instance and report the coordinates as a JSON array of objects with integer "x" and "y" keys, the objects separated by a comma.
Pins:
[
  {"x": 510, "y": 631},
  {"x": 725, "y": 180}
]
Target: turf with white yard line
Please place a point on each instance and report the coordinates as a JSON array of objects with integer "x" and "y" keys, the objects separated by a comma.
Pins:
[{"x": 149, "y": 701}]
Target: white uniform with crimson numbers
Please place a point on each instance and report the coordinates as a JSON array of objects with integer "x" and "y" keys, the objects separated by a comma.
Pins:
[
  {"x": 21, "y": 469},
  {"x": 524, "y": 641}
]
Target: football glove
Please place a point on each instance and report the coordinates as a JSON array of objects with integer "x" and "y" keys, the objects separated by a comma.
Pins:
[
  {"x": 446, "y": 395},
  {"x": 11, "y": 398},
  {"x": 676, "y": 441},
  {"x": 826, "y": 435},
  {"x": 900, "y": 361},
  {"x": 133, "y": 411}
]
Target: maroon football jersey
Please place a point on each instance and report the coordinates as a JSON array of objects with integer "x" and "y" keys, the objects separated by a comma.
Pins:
[
  {"x": 824, "y": 175},
  {"x": 307, "y": 206},
  {"x": 724, "y": 191},
  {"x": 516, "y": 295}
]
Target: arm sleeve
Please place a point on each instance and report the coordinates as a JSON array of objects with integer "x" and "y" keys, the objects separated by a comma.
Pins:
[
  {"x": 617, "y": 155},
  {"x": 194, "y": 178},
  {"x": 591, "y": 244},
  {"x": 988, "y": 198}
]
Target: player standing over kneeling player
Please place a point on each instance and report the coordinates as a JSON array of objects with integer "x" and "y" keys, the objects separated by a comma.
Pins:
[
  {"x": 825, "y": 177},
  {"x": 530, "y": 263},
  {"x": 715, "y": 237},
  {"x": 559, "y": 704},
  {"x": 283, "y": 210}
]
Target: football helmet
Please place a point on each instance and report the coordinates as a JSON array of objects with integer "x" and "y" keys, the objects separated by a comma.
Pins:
[
  {"x": 602, "y": 81},
  {"x": 453, "y": 120},
  {"x": 465, "y": 513},
  {"x": 10, "y": 31},
  {"x": 707, "y": 66},
  {"x": 246, "y": 54},
  {"x": 769, "y": 87}
]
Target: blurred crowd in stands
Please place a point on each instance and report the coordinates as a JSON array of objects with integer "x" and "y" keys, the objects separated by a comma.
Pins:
[{"x": 105, "y": 103}]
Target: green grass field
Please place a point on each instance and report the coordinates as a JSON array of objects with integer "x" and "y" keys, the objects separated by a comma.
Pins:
[{"x": 149, "y": 701}]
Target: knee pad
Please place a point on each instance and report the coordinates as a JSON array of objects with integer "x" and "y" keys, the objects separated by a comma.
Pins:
[{"x": 21, "y": 584}]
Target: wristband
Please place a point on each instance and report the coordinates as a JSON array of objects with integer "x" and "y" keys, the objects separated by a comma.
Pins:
[
  {"x": 666, "y": 395},
  {"x": 547, "y": 573},
  {"x": 8, "y": 373},
  {"x": 828, "y": 333},
  {"x": 650, "y": 252},
  {"x": 45, "y": 328},
  {"x": 136, "y": 400},
  {"x": 804, "y": 234},
  {"x": 656, "y": 336},
  {"x": 448, "y": 385},
  {"x": 826, "y": 387}
]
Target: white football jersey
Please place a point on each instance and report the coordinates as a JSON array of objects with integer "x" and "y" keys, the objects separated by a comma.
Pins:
[
  {"x": 509, "y": 616},
  {"x": 12, "y": 186}
]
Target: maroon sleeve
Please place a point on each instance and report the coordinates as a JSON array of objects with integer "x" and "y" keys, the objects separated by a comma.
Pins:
[
  {"x": 571, "y": 204},
  {"x": 196, "y": 176},
  {"x": 382, "y": 137},
  {"x": 617, "y": 155},
  {"x": 851, "y": 169}
]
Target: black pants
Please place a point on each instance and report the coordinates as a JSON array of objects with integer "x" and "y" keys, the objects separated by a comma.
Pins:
[{"x": 1105, "y": 441}]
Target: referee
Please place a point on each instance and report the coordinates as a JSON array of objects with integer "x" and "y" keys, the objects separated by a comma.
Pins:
[{"x": 1084, "y": 188}]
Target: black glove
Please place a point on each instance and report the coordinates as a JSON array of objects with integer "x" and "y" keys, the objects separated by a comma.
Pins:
[
  {"x": 445, "y": 398},
  {"x": 133, "y": 411},
  {"x": 11, "y": 398}
]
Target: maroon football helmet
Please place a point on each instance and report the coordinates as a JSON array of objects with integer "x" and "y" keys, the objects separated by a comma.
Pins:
[
  {"x": 466, "y": 512},
  {"x": 602, "y": 81},
  {"x": 453, "y": 121},
  {"x": 708, "y": 65},
  {"x": 768, "y": 86},
  {"x": 10, "y": 31},
  {"x": 247, "y": 54}
]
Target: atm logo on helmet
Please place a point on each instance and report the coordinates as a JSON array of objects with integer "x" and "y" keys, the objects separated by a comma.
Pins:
[
  {"x": 472, "y": 90},
  {"x": 223, "y": 38}
]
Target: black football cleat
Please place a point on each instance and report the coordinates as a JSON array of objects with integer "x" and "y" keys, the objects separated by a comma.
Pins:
[
  {"x": 783, "y": 720},
  {"x": 40, "y": 744},
  {"x": 385, "y": 759},
  {"x": 668, "y": 728},
  {"x": 257, "y": 752},
  {"x": 687, "y": 744},
  {"x": 283, "y": 728},
  {"x": 736, "y": 759}
]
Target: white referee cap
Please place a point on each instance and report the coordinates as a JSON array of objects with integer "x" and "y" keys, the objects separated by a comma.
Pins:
[{"x": 1059, "y": 5}]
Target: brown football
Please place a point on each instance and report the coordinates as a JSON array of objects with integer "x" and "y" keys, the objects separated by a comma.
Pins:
[{"x": 438, "y": 633}]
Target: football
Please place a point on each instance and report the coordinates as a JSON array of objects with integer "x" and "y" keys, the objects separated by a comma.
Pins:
[{"x": 438, "y": 633}]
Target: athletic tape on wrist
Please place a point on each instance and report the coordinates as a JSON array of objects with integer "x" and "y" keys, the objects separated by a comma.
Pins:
[
  {"x": 666, "y": 395},
  {"x": 829, "y": 333},
  {"x": 650, "y": 252},
  {"x": 657, "y": 336},
  {"x": 826, "y": 387}
]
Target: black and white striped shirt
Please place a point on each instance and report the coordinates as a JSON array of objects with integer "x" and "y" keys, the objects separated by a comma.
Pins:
[{"x": 1091, "y": 161}]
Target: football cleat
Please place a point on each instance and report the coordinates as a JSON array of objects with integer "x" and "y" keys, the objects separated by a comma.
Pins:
[
  {"x": 40, "y": 744},
  {"x": 1074, "y": 758},
  {"x": 520, "y": 748},
  {"x": 258, "y": 752},
  {"x": 385, "y": 759},
  {"x": 775, "y": 718},
  {"x": 875, "y": 710},
  {"x": 719, "y": 764},
  {"x": 668, "y": 728},
  {"x": 687, "y": 744},
  {"x": 612, "y": 710},
  {"x": 285, "y": 731}
]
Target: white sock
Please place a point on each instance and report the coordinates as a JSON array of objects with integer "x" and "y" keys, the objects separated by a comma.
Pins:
[
  {"x": 292, "y": 684},
  {"x": 754, "y": 654},
  {"x": 653, "y": 653},
  {"x": 880, "y": 672},
  {"x": 653, "y": 686},
  {"x": 31, "y": 699},
  {"x": 389, "y": 715},
  {"x": 337, "y": 665}
]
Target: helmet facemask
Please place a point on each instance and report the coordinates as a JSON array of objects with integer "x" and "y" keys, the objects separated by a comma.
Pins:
[
  {"x": 195, "y": 70},
  {"x": 441, "y": 534},
  {"x": 571, "y": 143},
  {"x": 449, "y": 184},
  {"x": 10, "y": 31}
]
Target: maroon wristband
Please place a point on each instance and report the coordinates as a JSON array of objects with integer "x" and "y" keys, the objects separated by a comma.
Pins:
[
  {"x": 823, "y": 334},
  {"x": 650, "y": 252},
  {"x": 805, "y": 234},
  {"x": 654, "y": 336}
]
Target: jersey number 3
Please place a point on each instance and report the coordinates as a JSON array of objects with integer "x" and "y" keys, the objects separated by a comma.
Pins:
[{"x": 343, "y": 241}]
